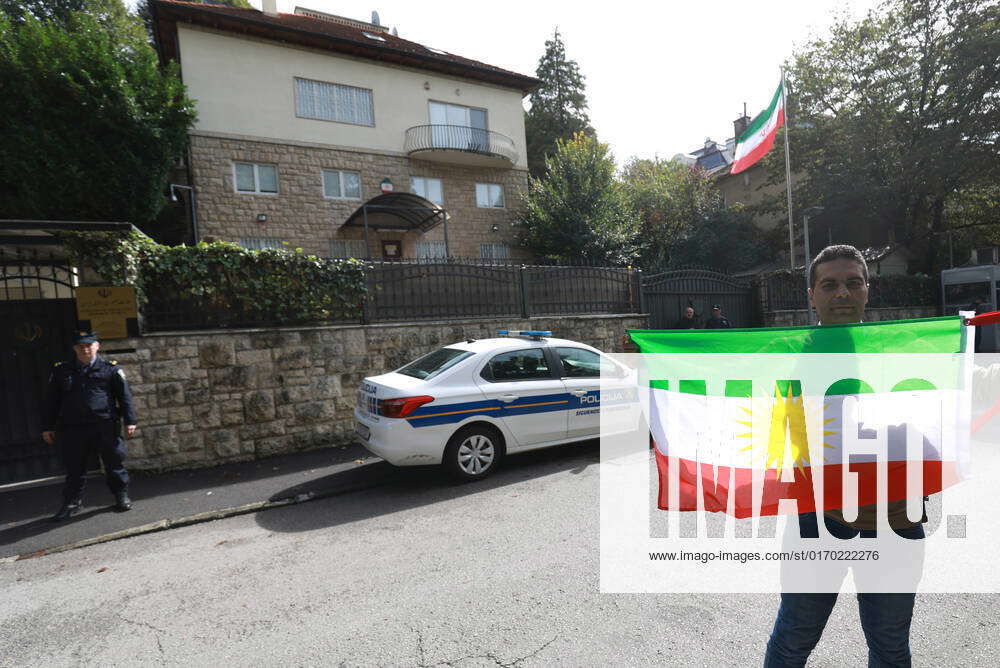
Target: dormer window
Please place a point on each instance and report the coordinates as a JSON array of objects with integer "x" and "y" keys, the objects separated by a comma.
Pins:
[{"x": 377, "y": 38}]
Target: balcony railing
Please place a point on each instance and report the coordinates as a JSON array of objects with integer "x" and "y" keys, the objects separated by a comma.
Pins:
[{"x": 460, "y": 138}]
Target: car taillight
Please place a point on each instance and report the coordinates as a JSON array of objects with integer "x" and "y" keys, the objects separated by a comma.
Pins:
[{"x": 400, "y": 408}]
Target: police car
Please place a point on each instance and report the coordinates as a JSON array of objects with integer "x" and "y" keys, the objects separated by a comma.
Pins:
[{"x": 466, "y": 405}]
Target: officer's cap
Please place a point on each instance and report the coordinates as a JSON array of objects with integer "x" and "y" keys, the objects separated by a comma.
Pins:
[
  {"x": 85, "y": 337},
  {"x": 716, "y": 307}
]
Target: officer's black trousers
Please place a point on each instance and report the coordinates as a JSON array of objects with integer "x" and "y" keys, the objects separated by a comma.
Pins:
[{"x": 77, "y": 441}]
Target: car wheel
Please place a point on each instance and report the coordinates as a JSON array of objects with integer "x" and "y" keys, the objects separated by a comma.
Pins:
[{"x": 473, "y": 453}]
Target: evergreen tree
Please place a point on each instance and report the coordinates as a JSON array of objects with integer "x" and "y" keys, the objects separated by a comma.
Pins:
[
  {"x": 558, "y": 105},
  {"x": 579, "y": 211},
  {"x": 92, "y": 124}
]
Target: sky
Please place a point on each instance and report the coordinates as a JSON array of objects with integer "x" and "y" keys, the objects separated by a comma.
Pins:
[{"x": 661, "y": 76}]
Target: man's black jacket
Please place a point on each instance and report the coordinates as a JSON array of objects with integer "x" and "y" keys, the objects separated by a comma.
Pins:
[{"x": 84, "y": 395}]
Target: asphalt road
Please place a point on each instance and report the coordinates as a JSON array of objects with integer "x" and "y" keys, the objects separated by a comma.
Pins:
[{"x": 419, "y": 572}]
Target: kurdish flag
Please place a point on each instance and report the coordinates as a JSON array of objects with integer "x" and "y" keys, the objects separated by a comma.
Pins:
[
  {"x": 743, "y": 418},
  {"x": 758, "y": 138}
]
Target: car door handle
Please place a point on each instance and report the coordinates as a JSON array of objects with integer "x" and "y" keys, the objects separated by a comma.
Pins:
[
  {"x": 578, "y": 393},
  {"x": 507, "y": 398}
]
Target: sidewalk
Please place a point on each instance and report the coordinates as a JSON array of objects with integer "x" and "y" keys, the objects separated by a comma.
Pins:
[{"x": 182, "y": 497}]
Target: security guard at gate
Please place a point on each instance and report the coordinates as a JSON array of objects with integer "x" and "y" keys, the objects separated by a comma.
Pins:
[{"x": 86, "y": 397}]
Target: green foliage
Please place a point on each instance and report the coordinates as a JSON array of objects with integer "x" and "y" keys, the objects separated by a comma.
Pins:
[
  {"x": 725, "y": 239},
  {"x": 895, "y": 119},
  {"x": 659, "y": 214},
  {"x": 670, "y": 198},
  {"x": 558, "y": 105},
  {"x": 91, "y": 125},
  {"x": 917, "y": 290},
  {"x": 116, "y": 257},
  {"x": 275, "y": 286},
  {"x": 579, "y": 211},
  {"x": 124, "y": 28},
  {"x": 43, "y": 10},
  {"x": 685, "y": 222}
]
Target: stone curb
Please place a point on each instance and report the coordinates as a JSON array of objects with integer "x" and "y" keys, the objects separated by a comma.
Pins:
[{"x": 197, "y": 518}]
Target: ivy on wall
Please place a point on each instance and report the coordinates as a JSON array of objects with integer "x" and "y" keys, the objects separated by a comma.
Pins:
[{"x": 273, "y": 286}]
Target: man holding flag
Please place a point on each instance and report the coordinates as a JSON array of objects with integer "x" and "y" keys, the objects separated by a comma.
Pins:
[
  {"x": 840, "y": 293},
  {"x": 840, "y": 279}
]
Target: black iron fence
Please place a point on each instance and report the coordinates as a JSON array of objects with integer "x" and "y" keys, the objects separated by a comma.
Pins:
[
  {"x": 666, "y": 296},
  {"x": 447, "y": 288},
  {"x": 428, "y": 290},
  {"x": 30, "y": 274},
  {"x": 783, "y": 291}
]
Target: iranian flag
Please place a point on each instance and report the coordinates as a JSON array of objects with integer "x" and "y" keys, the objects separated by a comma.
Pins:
[
  {"x": 742, "y": 419},
  {"x": 758, "y": 138}
]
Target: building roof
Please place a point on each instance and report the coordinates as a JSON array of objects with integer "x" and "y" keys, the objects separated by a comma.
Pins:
[
  {"x": 346, "y": 37},
  {"x": 713, "y": 157}
]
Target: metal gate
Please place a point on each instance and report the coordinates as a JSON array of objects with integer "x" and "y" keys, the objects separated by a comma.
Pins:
[
  {"x": 666, "y": 295},
  {"x": 37, "y": 319}
]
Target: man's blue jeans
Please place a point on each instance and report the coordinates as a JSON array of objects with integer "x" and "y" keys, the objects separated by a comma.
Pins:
[{"x": 885, "y": 618}]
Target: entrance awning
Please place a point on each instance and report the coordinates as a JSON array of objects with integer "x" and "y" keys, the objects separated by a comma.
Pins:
[
  {"x": 398, "y": 211},
  {"x": 405, "y": 212}
]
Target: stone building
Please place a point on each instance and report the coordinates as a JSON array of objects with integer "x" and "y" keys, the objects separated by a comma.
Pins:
[{"x": 341, "y": 138}]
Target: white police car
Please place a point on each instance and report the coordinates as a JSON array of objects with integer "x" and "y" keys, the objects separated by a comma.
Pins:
[{"x": 466, "y": 405}]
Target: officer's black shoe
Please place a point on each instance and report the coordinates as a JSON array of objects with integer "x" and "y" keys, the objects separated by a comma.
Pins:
[
  {"x": 122, "y": 502},
  {"x": 66, "y": 512}
]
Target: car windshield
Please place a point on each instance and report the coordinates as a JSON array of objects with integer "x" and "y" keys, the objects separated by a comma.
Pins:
[{"x": 434, "y": 363}]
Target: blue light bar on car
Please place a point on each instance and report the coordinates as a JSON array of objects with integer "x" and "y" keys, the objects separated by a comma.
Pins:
[{"x": 530, "y": 333}]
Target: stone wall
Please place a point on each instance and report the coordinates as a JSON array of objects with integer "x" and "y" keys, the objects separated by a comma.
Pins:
[
  {"x": 205, "y": 398},
  {"x": 801, "y": 317},
  {"x": 302, "y": 216}
]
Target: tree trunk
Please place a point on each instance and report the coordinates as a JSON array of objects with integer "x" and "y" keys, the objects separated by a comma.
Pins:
[{"x": 932, "y": 260}]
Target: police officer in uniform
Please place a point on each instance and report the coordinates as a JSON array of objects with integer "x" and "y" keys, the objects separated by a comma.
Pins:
[
  {"x": 717, "y": 321},
  {"x": 86, "y": 398}
]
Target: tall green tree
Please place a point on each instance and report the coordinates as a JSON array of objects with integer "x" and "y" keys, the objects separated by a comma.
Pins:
[
  {"x": 725, "y": 239},
  {"x": 112, "y": 15},
  {"x": 558, "y": 105},
  {"x": 684, "y": 221},
  {"x": 895, "y": 121},
  {"x": 91, "y": 124},
  {"x": 669, "y": 198},
  {"x": 578, "y": 211},
  {"x": 43, "y": 10}
]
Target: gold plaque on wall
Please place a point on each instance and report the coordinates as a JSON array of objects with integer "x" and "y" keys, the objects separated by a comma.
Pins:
[{"x": 107, "y": 308}]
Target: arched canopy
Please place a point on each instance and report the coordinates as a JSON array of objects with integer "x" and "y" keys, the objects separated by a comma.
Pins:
[{"x": 398, "y": 211}]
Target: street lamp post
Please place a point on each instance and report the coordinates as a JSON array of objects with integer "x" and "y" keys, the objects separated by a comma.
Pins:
[{"x": 806, "y": 215}]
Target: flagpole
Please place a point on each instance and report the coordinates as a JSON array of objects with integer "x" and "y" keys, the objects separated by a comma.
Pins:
[{"x": 788, "y": 179}]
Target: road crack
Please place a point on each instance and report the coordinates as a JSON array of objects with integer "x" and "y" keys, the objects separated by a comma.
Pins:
[
  {"x": 158, "y": 632},
  {"x": 492, "y": 656}
]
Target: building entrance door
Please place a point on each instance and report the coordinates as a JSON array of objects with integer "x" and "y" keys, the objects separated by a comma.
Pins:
[{"x": 35, "y": 333}]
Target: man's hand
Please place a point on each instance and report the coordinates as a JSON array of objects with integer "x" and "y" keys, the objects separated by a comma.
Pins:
[
  {"x": 49, "y": 437},
  {"x": 129, "y": 430}
]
